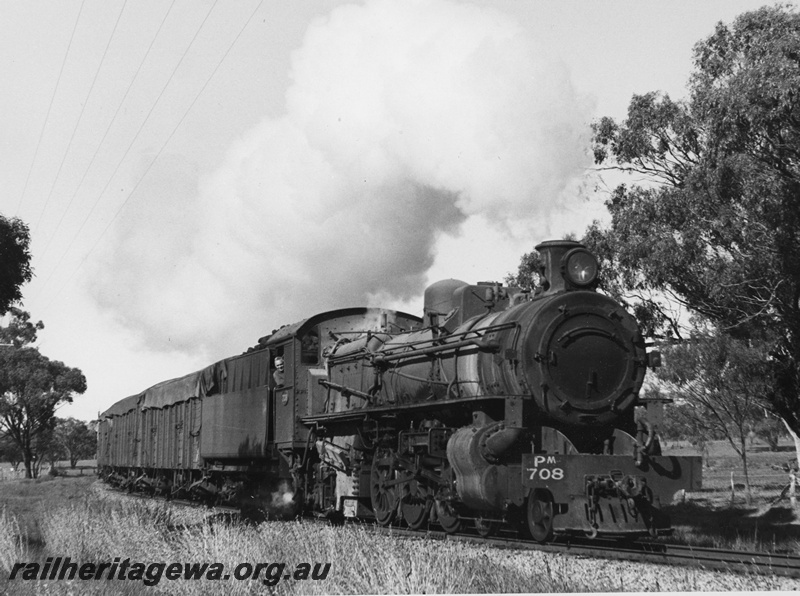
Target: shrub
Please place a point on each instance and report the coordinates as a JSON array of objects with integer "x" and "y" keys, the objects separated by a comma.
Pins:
[{"x": 771, "y": 431}]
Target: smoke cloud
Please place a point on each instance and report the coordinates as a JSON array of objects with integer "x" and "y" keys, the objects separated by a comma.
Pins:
[{"x": 403, "y": 119}]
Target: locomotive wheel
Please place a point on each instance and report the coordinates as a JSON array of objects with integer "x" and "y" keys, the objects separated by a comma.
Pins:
[
  {"x": 485, "y": 527},
  {"x": 446, "y": 513},
  {"x": 448, "y": 517},
  {"x": 540, "y": 515},
  {"x": 384, "y": 498},
  {"x": 416, "y": 504}
]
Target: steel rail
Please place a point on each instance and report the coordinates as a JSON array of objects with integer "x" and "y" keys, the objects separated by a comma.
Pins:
[{"x": 740, "y": 562}]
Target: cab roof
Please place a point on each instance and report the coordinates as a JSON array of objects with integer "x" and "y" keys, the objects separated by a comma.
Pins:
[{"x": 302, "y": 327}]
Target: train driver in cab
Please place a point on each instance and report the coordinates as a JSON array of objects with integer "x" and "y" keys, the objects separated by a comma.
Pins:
[{"x": 278, "y": 375}]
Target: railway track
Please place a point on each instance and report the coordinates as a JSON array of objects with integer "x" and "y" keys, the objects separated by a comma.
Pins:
[
  {"x": 644, "y": 551},
  {"x": 740, "y": 562}
]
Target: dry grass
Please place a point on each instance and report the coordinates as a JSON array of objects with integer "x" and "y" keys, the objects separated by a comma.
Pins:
[
  {"x": 26, "y": 500},
  {"x": 77, "y": 518},
  {"x": 98, "y": 529},
  {"x": 106, "y": 525},
  {"x": 13, "y": 542},
  {"x": 361, "y": 561}
]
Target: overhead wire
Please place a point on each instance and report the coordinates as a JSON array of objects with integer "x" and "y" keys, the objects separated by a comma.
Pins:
[
  {"x": 161, "y": 149},
  {"x": 102, "y": 140},
  {"x": 74, "y": 130},
  {"x": 130, "y": 145},
  {"x": 49, "y": 109}
]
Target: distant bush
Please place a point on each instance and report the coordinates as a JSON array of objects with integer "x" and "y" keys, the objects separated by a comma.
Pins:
[
  {"x": 771, "y": 431},
  {"x": 681, "y": 423}
]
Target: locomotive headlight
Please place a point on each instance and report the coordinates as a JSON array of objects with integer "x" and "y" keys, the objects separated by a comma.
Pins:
[{"x": 580, "y": 267}]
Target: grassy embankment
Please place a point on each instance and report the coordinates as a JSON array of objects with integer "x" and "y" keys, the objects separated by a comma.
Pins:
[
  {"x": 92, "y": 525},
  {"x": 72, "y": 516}
]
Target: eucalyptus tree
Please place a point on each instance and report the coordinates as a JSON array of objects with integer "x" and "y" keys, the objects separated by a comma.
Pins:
[
  {"x": 15, "y": 260},
  {"x": 715, "y": 224},
  {"x": 31, "y": 388}
]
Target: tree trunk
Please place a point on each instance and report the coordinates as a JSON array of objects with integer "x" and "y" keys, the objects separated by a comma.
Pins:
[
  {"x": 748, "y": 494},
  {"x": 28, "y": 459},
  {"x": 792, "y": 488},
  {"x": 796, "y": 438}
]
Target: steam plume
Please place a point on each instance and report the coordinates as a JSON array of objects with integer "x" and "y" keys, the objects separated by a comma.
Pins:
[{"x": 403, "y": 120}]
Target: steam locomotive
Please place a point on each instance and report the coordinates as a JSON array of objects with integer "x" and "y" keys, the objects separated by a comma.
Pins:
[{"x": 498, "y": 408}]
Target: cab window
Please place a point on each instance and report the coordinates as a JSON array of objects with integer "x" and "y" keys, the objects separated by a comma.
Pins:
[{"x": 309, "y": 347}]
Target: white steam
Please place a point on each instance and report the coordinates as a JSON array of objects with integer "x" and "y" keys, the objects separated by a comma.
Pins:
[
  {"x": 403, "y": 119},
  {"x": 281, "y": 500}
]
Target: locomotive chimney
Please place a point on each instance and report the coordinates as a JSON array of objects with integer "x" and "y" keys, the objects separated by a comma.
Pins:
[
  {"x": 552, "y": 253},
  {"x": 567, "y": 265}
]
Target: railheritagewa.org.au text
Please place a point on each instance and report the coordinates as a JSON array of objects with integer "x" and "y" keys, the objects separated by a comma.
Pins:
[{"x": 150, "y": 574}]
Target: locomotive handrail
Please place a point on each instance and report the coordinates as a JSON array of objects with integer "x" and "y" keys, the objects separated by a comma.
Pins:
[
  {"x": 360, "y": 413},
  {"x": 479, "y": 332},
  {"x": 346, "y": 391},
  {"x": 478, "y": 342},
  {"x": 392, "y": 354}
]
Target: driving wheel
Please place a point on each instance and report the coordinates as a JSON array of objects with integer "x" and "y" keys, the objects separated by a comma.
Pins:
[
  {"x": 416, "y": 504},
  {"x": 540, "y": 515},
  {"x": 384, "y": 498},
  {"x": 448, "y": 516}
]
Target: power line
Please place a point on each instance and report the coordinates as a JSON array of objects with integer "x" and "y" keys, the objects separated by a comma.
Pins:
[
  {"x": 169, "y": 138},
  {"x": 74, "y": 130},
  {"x": 135, "y": 137},
  {"x": 49, "y": 108},
  {"x": 102, "y": 140}
]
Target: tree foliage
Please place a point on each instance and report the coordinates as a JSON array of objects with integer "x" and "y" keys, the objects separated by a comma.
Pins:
[
  {"x": 530, "y": 272},
  {"x": 722, "y": 381},
  {"x": 44, "y": 448},
  {"x": 15, "y": 261},
  {"x": 682, "y": 423},
  {"x": 20, "y": 331},
  {"x": 76, "y": 439},
  {"x": 10, "y": 451},
  {"x": 770, "y": 430},
  {"x": 31, "y": 387},
  {"x": 716, "y": 226}
]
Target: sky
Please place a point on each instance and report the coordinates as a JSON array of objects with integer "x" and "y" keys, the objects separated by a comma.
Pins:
[{"x": 197, "y": 173}]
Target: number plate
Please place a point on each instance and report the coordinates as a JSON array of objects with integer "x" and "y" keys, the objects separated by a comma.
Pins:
[{"x": 544, "y": 468}]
